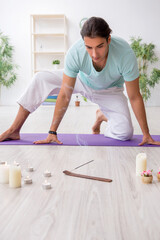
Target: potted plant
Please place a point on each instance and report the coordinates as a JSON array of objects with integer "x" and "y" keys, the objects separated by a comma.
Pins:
[
  {"x": 146, "y": 176},
  {"x": 56, "y": 63},
  {"x": 145, "y": 56},
  {"x": 77, "y": 101},
  {"x": 158, "y": 175},
  {"x": 7, "y": 68}
]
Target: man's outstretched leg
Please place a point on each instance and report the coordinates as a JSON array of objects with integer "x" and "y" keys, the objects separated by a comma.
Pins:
[
  {"x": 13, "y": 131},
  {"x": 43, "y": 84},
  {"x": 100, "y": 117}
]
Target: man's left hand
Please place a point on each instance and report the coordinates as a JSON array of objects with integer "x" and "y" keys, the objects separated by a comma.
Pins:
[
  {"x": 50, "y": 139},
  {"x": 149, "y": 140}
]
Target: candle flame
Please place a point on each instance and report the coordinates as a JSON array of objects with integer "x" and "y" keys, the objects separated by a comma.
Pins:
[{"x": 16, "y": 163}]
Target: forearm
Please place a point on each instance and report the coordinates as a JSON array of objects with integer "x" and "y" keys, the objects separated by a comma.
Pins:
[
  {"x": 140, "y": 113},
  {"x": 60, "y": 109}
]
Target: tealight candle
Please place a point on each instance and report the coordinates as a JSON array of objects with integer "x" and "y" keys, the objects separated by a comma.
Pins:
[
  {"x": 27, "y": 180},
  {"x": 2, "y": 162},
  {"x": 4, "y": 173},
  {"x": 141, "y": 163},
  {"x": 16, "y": 163},
  {"x": 46, "y": 185},
  {"x": 15, "y": 176},
  {"x": 30, "y": 169},
  {"x": 47, "y": 173}
]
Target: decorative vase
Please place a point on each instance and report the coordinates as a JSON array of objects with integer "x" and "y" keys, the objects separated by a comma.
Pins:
[
  {"x": 77, "y": 103},
  {"x": 55, "y": 66},
  {"x": 147, "y": 179},
  {"x": 158, "y": 176}
]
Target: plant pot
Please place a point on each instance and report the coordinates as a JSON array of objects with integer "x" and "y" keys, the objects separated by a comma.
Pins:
[
  {"x": 158, "y": 176},
  {"x": 77, "y": 103},
  {"x": 55, "y": 66},
  {"x": 147, "y": 179}
]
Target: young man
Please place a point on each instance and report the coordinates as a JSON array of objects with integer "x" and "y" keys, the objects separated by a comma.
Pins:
[{"x": 96, "y": 66}]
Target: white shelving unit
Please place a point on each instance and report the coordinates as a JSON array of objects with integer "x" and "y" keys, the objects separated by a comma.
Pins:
[{"x": 48, "y": 41}]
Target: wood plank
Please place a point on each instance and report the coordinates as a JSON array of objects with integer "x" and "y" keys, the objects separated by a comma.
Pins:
[{"x": 77, "y": 208}]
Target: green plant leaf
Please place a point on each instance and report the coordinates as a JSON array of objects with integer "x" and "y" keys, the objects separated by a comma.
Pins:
[
  {"x": 7, "y": 68},
  {"x": 145, "y": 57},
  {"x": 56, "y": 62}
]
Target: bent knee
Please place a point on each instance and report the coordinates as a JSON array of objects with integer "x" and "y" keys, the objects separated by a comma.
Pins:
[
  {"x": 39, "y": 76},
  {"x": 123, "y": 134},
  {"x": 49, "y": 78},
  {"x": 126, "y": 135}
]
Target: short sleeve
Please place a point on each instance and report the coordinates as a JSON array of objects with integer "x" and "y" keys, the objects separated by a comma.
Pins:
[
  {"x": 129, "y": 67},
  {"x": 71, "y": 66}
]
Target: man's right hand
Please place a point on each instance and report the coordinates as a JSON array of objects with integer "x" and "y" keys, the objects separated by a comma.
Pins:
[{"x": 50, "y": 138}]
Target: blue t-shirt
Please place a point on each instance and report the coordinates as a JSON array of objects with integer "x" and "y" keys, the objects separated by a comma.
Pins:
[{"x": 121, "y": 65}]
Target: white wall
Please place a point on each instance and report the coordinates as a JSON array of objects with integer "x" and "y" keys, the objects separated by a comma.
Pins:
[{"x": 126, "y": 18}]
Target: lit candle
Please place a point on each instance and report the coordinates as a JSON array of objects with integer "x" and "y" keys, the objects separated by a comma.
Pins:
[
  {"x": 27, "y": 180},
  {"x": 4, "y": 173},
  {"x": 46, "y": 185},
  {"x": 2, "y": 162},
  {"x": 16, "y": 163},
  {"x": 30, "y": 169},
  {"x": 47, "y": 173},
  {"x": 141, "y": 163},
  {"x": 15, "y": 176}
]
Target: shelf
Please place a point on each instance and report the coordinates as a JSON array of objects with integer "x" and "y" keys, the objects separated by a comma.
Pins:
[
  {"x": 48, "y": 41},
  {"x": 49, "y": 34},
  {"x": 41, "y": 70},
  {"x": 59, "y": 53},
  {"x": 55, "y": 16}
]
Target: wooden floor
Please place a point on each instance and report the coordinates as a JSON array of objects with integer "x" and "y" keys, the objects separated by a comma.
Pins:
[{"x": 79, "y": 209}]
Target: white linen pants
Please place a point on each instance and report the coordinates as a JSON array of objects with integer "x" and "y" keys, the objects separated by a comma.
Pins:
[{"x": 112, "y": 101}]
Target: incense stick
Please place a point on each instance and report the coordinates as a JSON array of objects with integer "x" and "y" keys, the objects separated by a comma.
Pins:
[{"x": 82, "y": 165}]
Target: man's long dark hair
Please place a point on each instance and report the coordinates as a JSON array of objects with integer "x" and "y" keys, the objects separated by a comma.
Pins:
[{"x": 95, "y": 27}]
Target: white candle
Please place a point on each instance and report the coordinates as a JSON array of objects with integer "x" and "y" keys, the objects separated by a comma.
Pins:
[
  {"x": 16, "y": 163},
  {"x": 4, "y": 173},
  {"x": 30, "y": 169},
  {"x": 27, "y": 180},
  {"x": 3, "y": 162},
  {"x": 141, "y": 163},
  {"x": 46, "y": 185},
  {"x": 47, "y": 173},
  {"x": 15, "y": 176}
]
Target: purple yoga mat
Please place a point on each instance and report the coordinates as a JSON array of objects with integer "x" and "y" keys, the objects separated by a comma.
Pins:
[{"x": 80, "y": 140}]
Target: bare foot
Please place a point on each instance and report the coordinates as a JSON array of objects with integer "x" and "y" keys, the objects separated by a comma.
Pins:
[
  {"x": 100, "y": 117},
  {"x": 9, "y": 135}
]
